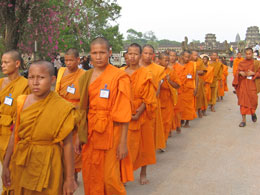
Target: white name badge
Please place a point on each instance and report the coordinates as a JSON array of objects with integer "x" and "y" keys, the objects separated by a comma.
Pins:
[
  {"x": 8, "y": 101},
  {"x": 189, "y": 76},
  {"x": 249, "y": 77},
  {"x": 161, "y": 81},
  {"x": 104, "y": 93},
  {"x": 71, "y": 89}
]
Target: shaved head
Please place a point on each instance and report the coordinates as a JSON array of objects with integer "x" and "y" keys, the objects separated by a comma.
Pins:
[
  {"x": 101, "y": 41},
  {"x": 15, "y": 55},
  {"x": 47, "y": 64},
  {"x": 161, "y": 55},
  {"x": 148, "y": 46},
  {"x": 72, "y": 52}
]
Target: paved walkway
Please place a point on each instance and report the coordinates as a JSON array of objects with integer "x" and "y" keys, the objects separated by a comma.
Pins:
[{"x": 213, "y": 157}]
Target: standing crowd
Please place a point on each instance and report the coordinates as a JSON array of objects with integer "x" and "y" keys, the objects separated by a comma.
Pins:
[{"x": 106, "y": 122}]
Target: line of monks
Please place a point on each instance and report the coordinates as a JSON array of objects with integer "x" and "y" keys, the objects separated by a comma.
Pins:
[{"x": 106, "y": 122}]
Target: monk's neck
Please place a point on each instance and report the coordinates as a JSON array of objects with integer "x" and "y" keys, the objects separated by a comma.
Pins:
[
  {"x": 172, "y": 63},
  {"x": 72, "y": 71},
  {"x": 146, "y": 64},
  {"x": 100, "y": 69},
  {"x": 13, "y": 76},
  {"x": 134, "y": 66}
]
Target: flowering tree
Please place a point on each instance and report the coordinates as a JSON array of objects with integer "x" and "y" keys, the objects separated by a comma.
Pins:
[{"x": 55, "y": 25}]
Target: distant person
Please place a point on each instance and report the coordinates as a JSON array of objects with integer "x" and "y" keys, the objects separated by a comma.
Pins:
[
  {"x": 231, "y": 60},
  {"x": 237, "y": 60},
  {"x": 86, "y": 62},
  {"x": 222, "y": 84},
  {"x": 247, "y": 85}
]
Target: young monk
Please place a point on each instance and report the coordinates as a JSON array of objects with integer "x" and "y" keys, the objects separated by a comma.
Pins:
[
  {"x": 200, "y": 71},
  {"x": 143, "y": 101},
  {"x": 177, "y": 67},
  {"x": 208, "y": 79},
  {"x": 247, "y": 85},
  {"x": 68, "y": 88},
  {"x": 218, "y": 71},
  {"x": 11, "y": 87},
  {"x": 34, "y": 153},
  {"x": 105, "y": 95},
  {"x": 188, "y": 90},
  {"x": 237, "y": 60},
  {"x": 168, "y": 94},
  {"x": 158, "y": 74},
  {"x": 222, "y": 85}
]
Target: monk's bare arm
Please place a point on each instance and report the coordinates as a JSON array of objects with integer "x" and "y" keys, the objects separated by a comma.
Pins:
[
  {"x": 196, "y": 84},
  {"x": 122, "y": 147},
  {"x": 172, "y": 83},
  {"x": 159, "y": 88},
  {"x": 140, "y": 111},
  {"x": 9, "y": 152},
  {"x": 69, "y": 184}
]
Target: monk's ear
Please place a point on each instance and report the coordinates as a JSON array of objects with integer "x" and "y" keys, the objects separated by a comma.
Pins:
[
  {"x": 17, "y": 64},
  {"x": 78, "y": 60},
  {"x": 110, "y": 52},
  {"x": 53, "y": 79}
]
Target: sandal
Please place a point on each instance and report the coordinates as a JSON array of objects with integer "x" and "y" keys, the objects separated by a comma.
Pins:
[
  {"x": 254, "y": 118},
  {"x": 242, "y": 124}
]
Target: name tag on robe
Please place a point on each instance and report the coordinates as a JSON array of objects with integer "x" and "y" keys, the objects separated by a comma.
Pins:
[
  {"x": 189, "y": 76},
  {"x": 71, "y": 89},
  {"x": 249, "y": 77},
  {"x": 8, "y": 100},
  {"x": 104, "y": 93}
]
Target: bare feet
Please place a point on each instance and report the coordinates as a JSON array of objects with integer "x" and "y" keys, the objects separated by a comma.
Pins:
[
  {"x": 170, "y": 134},
  {"x": 213, "y": 109},
  {"x": 143, "y": 179},
  {"x": 199, "y": 114},
  {"x": 204, "y": 113},
  {"x": 178, "y": 130}
]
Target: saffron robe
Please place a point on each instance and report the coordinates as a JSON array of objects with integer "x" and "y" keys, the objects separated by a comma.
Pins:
[
  {"x": 235, "y": 65},
  {"x": 187, "y": 98},
  {"x": 15, "y": 88},
  {"x": 62, "y": 84},
  {"x": 247, "y": 87},
  {"x": 37, "y": 162},
  {"x": 141, "y": 132},
  {"x": 158, "y": 74},
  {"x": 218, "y": 69},
  {"x": 102, "y": 172},
  {"x": 168, "y": 97},
  {"x": 208, "y": 79},
  {"x": 221, "y": 90}
]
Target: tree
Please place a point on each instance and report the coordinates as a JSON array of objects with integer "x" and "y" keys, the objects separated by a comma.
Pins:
[{"x": 56, "y": 24}]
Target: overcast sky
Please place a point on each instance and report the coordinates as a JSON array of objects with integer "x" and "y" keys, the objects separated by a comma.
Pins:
[{"x": 175, "y": 19}]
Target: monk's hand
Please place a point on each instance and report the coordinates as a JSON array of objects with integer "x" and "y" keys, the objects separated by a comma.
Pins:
[
  {"x": 122, "y": 151},
  {"x": 69, "y": 186},
  {"x": 135, "y": 117},
  {"x": 243, "y": 74},
  {"x": 77, "y": 146},
  {"x": 6, "y": 176},
  {"x": 195, "y": 92},
  {"x": 168, "y": 77},
  {"x": 250, "y": 73}
]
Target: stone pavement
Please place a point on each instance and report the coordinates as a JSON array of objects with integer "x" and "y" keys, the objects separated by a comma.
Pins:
[{"x": 213, "y": 157}]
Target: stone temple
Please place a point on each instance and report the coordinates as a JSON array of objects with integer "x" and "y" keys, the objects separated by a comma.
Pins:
[{"x": 252, "y": 36}]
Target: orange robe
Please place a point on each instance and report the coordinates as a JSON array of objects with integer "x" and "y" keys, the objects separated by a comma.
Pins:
[
  {"x": 158, "y": 74},
  {"x": 218, "y": 69},
  {"x": 201, "y": 99},
  {"x": 246, "y": 88},
  {"x": 62, "y": 83},
  {"x": 235, "y": 65},
  {"x": 187, "y": 99},
  {"x": 178, "y": 68},
  {"x": 221, "y": 90},
  {"x": 208, "y": 79},
  {"x": 15, "y": 88},
  {"x": 141, "y": 132},
  {"x": 168, "y": 97},
  {"x": 37, "y": 162},
  {"x": 102, "y": 172}
]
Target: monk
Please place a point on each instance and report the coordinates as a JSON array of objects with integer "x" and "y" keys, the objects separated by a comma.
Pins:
[
  {"x": 208, "y": 79},
  {"x": 188, "y": 90},
  {"x": 237, "y": 60},
  {"x": 34, "y": 153},
  {"x": 158, "y": 74},
  {"x": 200, "y": 72},
  {"x": 168, "y": 94},
  {"x": 11, "y": 87},
  {"x": 143, "y": 101},
  {"x": 222, "y": 88},
  {"x": 247, "y": 85},
  {"x": 68, "y": 88},
  {"x": 177, "y": 67},
  {"x": 105, "y": 101},
  {"x": 218, "y": 70}
]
